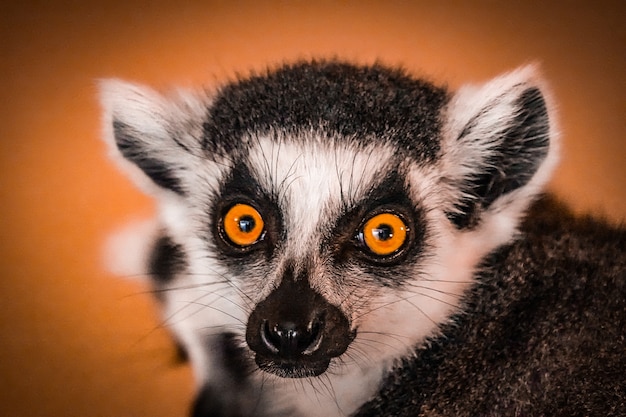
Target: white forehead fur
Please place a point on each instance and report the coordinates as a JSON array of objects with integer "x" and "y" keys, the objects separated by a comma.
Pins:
[{"x": 313, "y": 178}]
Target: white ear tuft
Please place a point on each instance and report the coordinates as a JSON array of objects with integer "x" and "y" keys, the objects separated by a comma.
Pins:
[
  {"x": 500, "y": 146},
  {"x": 155, "y": 138},
  {"x": 134, "y": 105}
]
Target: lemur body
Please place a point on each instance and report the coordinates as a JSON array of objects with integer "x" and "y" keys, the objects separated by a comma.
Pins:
[{"x": 324, "y": 223}]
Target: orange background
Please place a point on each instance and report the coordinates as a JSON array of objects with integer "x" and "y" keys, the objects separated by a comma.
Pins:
[{"x": 74, "y": 340}]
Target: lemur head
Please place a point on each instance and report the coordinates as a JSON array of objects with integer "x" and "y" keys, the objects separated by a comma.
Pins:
[{"x": 324, "y": 218}]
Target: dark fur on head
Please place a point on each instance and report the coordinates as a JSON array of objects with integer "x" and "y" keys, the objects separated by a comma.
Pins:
[{"x": 371, "y": 103}]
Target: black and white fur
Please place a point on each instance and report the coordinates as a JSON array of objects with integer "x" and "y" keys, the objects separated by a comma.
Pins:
[{"x": 466, "y": 318}]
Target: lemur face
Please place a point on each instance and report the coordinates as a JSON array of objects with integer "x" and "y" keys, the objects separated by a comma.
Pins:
[{"x": 322, "y": 220}]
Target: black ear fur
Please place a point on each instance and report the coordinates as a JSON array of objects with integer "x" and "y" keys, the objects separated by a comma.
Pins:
[
  {"x": 156, "y": 169},
  {"x": 519, "y": 150},
  {"x": 152, "y": 135}
]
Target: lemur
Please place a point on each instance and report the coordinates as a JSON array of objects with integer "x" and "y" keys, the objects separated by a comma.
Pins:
[{"x": 350, "y": 240}]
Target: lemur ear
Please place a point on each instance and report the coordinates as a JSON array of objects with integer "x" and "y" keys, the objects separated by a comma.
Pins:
[
  {"x": 499, "y": 147},
  {"x": 155, "y": 138}
]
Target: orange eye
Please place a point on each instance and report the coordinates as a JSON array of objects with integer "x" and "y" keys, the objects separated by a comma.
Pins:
[
  {"x": 243, "y": 225},
  {"x": 384, "y": 234}
]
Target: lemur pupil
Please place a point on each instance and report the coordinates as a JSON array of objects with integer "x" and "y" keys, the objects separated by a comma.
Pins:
[
  {"x": 246, "y": 224},
  {"x": 383, "y": 232}
]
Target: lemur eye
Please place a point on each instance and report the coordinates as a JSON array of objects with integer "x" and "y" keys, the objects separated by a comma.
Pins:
[
  {"x": 243, "y": 225},
  {"x": 384, "y": 234}
]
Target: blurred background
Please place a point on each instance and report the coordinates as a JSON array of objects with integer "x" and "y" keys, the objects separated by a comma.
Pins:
[{"x": 77, "y": 341}]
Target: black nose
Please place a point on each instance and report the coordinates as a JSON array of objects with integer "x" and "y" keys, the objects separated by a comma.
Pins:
[
  {"x": 295, "y": 331},
  {"x": 290, "y": 339}
]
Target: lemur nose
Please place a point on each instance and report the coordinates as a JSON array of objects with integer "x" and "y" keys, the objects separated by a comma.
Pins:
[
  {"x": 290, "y": 339},
  {"x": 295, "y": 331}
]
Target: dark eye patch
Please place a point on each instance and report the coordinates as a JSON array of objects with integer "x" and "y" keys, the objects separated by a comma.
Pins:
[
  {"x": 242, "y": 188},
  {"x": 347, "y": 247}
]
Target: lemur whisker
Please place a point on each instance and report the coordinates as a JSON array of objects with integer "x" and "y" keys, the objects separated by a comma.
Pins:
[
  {"x": 155, "y": 291},
  {"x": 218, "y": 310},
  {"x": 424, "y": 313}
]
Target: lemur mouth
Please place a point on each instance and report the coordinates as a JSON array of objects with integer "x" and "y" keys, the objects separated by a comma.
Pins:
[
  {"x": 293, "y": 349},
  {"x": 295, "y": 332},
  {"x": 292, "y": 369}
]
